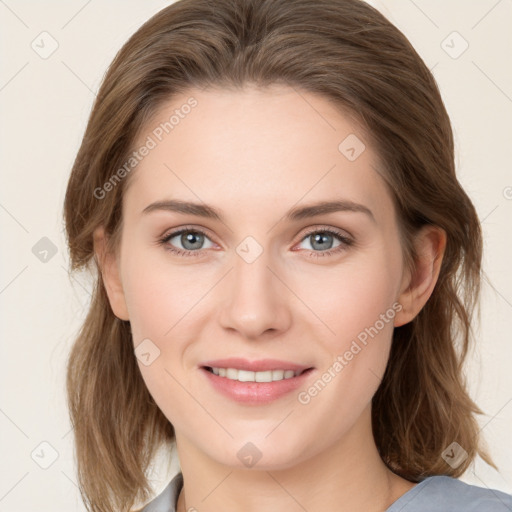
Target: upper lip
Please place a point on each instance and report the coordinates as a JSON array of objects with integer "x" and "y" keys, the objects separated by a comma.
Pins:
[{"x": 260, "y": 365}]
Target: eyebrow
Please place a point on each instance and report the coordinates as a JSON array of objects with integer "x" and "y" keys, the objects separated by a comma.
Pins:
[{"x": 295, "y": 214}]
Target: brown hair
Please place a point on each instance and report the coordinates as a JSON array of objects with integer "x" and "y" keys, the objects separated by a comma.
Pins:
[{"x": 347, "y": 52}]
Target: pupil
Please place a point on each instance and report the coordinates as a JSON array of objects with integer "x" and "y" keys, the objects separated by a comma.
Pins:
[
  {"x": 321, "y": 239},
  {"x": 191, "y": 238}
]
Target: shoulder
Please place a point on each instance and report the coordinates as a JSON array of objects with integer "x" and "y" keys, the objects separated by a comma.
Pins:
[
  {"x": 166, "y": 501},
  {"x": 447, "y": 494}
]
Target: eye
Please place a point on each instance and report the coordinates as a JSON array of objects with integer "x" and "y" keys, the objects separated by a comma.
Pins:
[
  {"x": 190, "y": 240},
  {"x": 321, "y": 242}
]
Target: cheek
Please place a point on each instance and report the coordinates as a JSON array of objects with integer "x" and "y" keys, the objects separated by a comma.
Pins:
[
  {"x": 160, "y": 298},
  {"x": 352, "y": 295},
  {"x": 158, "y": 294},
  {"x": 359, "y": 310},
  {"x": 357, "y": 301}
]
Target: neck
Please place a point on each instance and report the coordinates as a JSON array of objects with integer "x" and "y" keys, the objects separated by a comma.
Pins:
[{"x": 346, "y": 476}]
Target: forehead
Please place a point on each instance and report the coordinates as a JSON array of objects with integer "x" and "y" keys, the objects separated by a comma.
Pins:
[{"x": 256, "y": 148}]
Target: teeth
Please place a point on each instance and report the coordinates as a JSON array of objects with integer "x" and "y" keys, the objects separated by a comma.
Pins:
[{"x": 247, "y": 376}]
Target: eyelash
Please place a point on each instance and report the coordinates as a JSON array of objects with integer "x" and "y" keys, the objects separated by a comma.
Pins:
[{"x": 345, "y": 242}]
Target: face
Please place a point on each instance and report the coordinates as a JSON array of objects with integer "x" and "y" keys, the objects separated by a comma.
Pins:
[{"x": 268, "y": 278}]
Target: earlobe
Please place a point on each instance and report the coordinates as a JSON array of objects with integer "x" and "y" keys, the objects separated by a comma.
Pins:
[
  {"x": 418, "y": 285},
  {"x": 109, "y": 268}
]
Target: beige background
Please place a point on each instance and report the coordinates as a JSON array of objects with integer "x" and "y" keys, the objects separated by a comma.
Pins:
[{"x": 44, "y": 105}]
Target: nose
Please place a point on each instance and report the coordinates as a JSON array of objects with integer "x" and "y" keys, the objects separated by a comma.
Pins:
[{"x": 256, "y": 302}]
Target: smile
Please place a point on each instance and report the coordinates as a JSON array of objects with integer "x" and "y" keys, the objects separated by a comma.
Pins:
[
  {"x": 250, "y": 376},
  {"x": 259, "y": 386}
]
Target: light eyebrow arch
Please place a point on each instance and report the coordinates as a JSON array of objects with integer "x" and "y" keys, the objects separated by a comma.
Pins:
[
  {"x": 295, "y": 214},
  {"x": 325, "y": 207},
  {"x": 186, "y": 207}
]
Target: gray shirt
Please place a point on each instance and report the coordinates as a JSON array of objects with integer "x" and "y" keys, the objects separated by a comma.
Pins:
[{"x": 432, "y": 494}]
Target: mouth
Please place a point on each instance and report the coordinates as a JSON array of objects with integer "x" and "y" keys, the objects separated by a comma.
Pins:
[
  {"x": 255, "y": 382},
  {"x": 255, "y": 376}
]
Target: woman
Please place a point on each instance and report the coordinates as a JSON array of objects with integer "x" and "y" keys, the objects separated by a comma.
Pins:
[{"x": 287, "y": 268}]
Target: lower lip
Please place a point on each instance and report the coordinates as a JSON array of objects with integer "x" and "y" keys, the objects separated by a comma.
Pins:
[{"x": 256, "y": 393}]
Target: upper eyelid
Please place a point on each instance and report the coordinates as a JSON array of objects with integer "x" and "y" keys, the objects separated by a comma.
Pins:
[
  {"x": 337, "y": 231},
  {"x": 172, "y": 233}
]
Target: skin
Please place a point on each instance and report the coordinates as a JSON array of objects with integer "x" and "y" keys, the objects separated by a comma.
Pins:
[{"x": 254, "y": 154}]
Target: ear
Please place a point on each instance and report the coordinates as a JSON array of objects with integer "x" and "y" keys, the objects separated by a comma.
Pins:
[
  {"x": 418, "y": 285},
  {"x": 109, "y": 267}
]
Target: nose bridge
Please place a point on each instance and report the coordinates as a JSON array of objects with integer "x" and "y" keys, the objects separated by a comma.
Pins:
[
  {"x": 255, "y": 303},
  {"x": 251, "y": 272}
]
